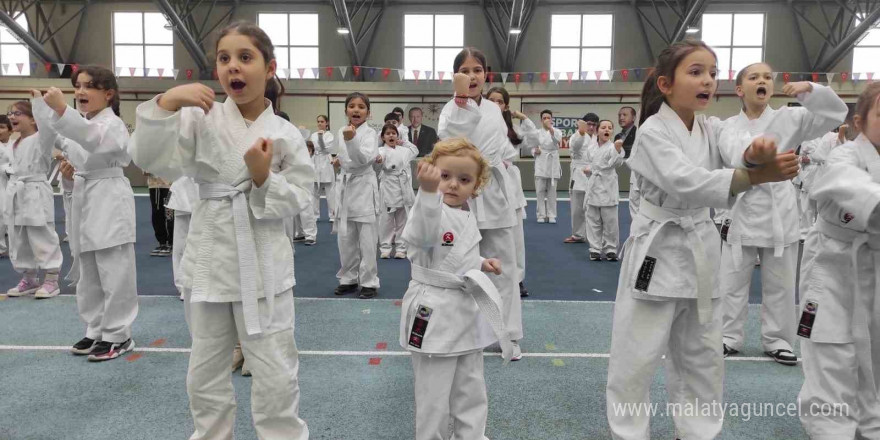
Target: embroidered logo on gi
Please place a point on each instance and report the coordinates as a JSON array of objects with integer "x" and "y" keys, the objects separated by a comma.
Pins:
[
  {"x": 847, "y": 217},
  {"x": 448, "y": 239},
  {"x": 725, "y": 228},
  {"x": 420, "y": 326},
  {"x": 808, "y": 317}
]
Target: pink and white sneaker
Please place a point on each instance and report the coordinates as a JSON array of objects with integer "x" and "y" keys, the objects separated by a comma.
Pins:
[
  {"x": 49, "y": 289},
  {"x": 26, "y": 286}
]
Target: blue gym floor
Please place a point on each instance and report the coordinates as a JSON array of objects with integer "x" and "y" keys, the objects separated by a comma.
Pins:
[{"x": 356, "y": 380}]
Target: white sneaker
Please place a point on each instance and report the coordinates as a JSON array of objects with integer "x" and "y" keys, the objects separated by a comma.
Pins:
[
  {"x": 385, "y": 255},
  {"x": 552, "y": 220},
  {"x": 542, "y": 220},
  {"x": 517, "y": 352},
  {"x": 49, "y": 288},
  {"x": 400, "y": 255},
  {"x": 25, "y": 287}
]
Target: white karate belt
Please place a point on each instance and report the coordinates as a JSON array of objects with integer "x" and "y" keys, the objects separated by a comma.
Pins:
[
  {"x": 16, "y": 184},
  {"x": 550, "y": 155},
  {"x": 247, "y": 253},
  {"x": 341, "y": 224},
  {"x": 76, "y": 208},
  {"x": 686, "y": 219},
  {"x": 480, "y": 287},
  {"x": 867, "y": 348},
  {"x": 776, "y": 223},
  {"x": 403, "y": 179},
  {"x": 499, "y": 173}
]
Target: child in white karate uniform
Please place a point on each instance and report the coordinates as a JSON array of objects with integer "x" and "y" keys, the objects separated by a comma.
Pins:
[
  {"x": 5, "y": 165},
  {"x": 325, "y": 175},
  {"x": 359, "y": 201},
  {"x": 183, "y": 200},
  {"x": 102, "y": 225},
  {"x": 547, "y": 167},
  {"x": 451, "y": 311},
  {"x": 30, "y": 208},
  {"x": 813, "y": 155},
  {"x": 839, "y": 288},
  {"x": 253, "y": 172},
  {"x": 395, "y": 184},
  {"x": 580, "y": 144},
  {"x": 667, "y": 297},
  {"x": 603, "y": 194}
]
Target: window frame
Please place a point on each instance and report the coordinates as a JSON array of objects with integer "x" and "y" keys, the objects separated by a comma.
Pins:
[
  {"x": 12, "y": 68},
  {"x": 723, "y": 75},
  {"x": 292, "y": 73},
  {"x": 407, "y": 73},
  {"x": 858, "y": 45},
  {"x": 581, "y": 47},
  {"x": 123, "y": 71}
]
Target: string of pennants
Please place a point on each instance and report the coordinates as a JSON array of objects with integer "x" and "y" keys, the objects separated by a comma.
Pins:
[{"x": 369, "y": 73}]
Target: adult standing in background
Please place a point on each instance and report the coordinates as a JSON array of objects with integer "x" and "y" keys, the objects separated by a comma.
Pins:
[
  {"x": 626, "y": 118},
  {"x": 422, "y": 136}
]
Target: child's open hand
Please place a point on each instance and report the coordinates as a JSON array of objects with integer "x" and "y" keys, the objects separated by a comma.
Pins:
[
  {"x": 189, "y": 95},
  {"x": 491, "y": 265},
  {"x": 796, "y": 88},
  {"x": 349, "y": 132},
  {"x": 258, "y": 159},
  {"x": 429, "y": 177}
]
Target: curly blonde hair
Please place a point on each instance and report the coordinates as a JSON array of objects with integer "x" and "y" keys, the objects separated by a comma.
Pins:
[{"x": 461, "y": 147}]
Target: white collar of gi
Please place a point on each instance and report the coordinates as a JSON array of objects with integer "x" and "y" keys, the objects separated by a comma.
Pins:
[
  {"x": 232, "y": 108},
  {"x": 674, "y": 123},
  {"x": 103, "y": 114}
]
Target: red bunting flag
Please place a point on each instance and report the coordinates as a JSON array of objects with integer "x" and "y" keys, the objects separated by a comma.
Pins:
[
  {"x": 544, "y": 77},
  {"x": 870, "y": 76},
  {"x": 815, "y": 77},
  {"x": 48, "y": 67},
  {"x": 440, "y": 75},
  {"x": 416, "y": 73},
  {"x": 516, "y": 77},
  {"x": 598, "y": 74},
  {"x": 161, "y": 71},
  {"x": 74, "y": 69},
  {"x": 844, "y": 76},
  {"x": 189, "y": 74},
  {"x": 625, "y": 74},
  {"x": 786, "y": 77},
  {"x": 569, "y": 75},
  {"x": 356, "y": 70},
  {"x": 131, "y": 71},
  {"x": 730, "y": 75},
  {"x": 329, "y": 72},
  {"x": 491, "y": 77}
]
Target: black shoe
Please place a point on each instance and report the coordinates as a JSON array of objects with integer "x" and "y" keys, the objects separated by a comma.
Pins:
[
  {"x": 783, "y": 356},
  {"x": 105, "y": 351},
  {"x": 611, "y": 256},
  {"x": 345, "y": 289},
  {"x": 522, "y": 290},
  {"x": 368, "y": 292},
  {"x": 158, "y": 251},
  {"x": 165, "y": 250},
  {"x": 83, "y": 347},
  {"x": 594, "y": 256},
  {"x": 729, "y": 351},
  {"x": 299, "y": 238}
]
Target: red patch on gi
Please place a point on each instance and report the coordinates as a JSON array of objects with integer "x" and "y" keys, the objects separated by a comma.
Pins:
[
  {"x": 375, "y": 361},
  {"x": 133, "y": 357},
  {"x": 382, "y": 346},
  {"x": 847, "y": 217},
  {"x": 448, "y": 238}
]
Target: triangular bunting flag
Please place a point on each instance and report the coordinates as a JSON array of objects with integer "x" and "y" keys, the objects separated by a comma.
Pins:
[
  {"x": 638, "y": 73},
  {"x": 33, "y": 66},
  {"x": 815, "y": 77},
  {"x": 856, "y": 76},
  {"x": 285, "y": 72},
  {"x": 440, "y": 75},
  {"x": 316, "y": 72},
  {"x": 117, "y": 70},
  {"x": 598, "y": 74},
  {"x": 189, "y": 74},
  {"x": 356, "y": 70},
  {"x": 400, "y": 74},
  {"x": 147, "y": 71},
  {"x": 329, "y": 71},
  {"x": 75, "y": 68},
  {"x": 504, "y": 77},
  {"x": 556, "y": 77},
  {"x": 343, "y": 70},
  {"x": 730, "y": 74},
  {"x": 131, "y": 71},
  {"x": 48, "y": 67},
  {"x": 610, "y": 74},
  {"x": 544, "y": 77},
  {"x": 844, "y": 76},
  {"x": 530, "y": 77},
  {"x": 491, "y": 78},
  {"x": 301, "y": 71},
  {"x": 870, "y": 76},
  {"x": 625, "y": 74},
  {"x": 569, "y": 75},
  {"x": 830, "y": 77},
  {"x": 61, "y": 67},
  {"x": 175, "y": 72},
  {"x": 774, "y": 75},
  {"x": 161, "y": 71},
  {"x": 786, "y": 77},
  {"x": 584, "y": 75},
  {"x": 372, "y": 71},
  {"x": 516, "y": 77},
  {"x": 385, "y": 73},
  {"x": 428, "y": 75},
  {"x": 5, "y": 67}
]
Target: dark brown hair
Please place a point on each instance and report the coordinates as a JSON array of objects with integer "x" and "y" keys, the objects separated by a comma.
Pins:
[
  {"x": 667, "y": 62},
  {"x": 354, "y": 95},
  {"x": 387, "y": 127},
  {"x": 102, "y": 79},
  {"x": 868, "y": 99},
  {"x": 508, "y": 117},
  {"x": 274, "y": 88},
  {"x": 464, "y": 54},
  {"x": 23, "y": 106},
  {"x": 4, "y": 120}
]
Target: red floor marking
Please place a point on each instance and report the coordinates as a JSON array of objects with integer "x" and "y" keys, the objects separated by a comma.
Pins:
[
  {"x": 398, "y": 303},
  {"x": 382, "y": 346},
  {"x": 158, "y": 342},
  {"x": 375, "y": 361},
  {"x": 134, "y": 357}
]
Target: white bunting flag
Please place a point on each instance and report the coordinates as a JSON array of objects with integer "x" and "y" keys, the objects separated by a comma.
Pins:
[
  {"x": 504, "y": 77},
  {"x": 556, "y": 77},
  {"x": 175, "y": 72},
  {"x": 343, "y": 70},
  {"x": 400, "y": 74}
]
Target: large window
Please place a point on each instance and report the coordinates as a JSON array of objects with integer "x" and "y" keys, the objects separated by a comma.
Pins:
[
  {"x": 295, "y": 37},
  {"x": 142, "y": 41},
  {"x": 738, "y": 40},
  {"x": 14, "y": 56},
  {"x": 430, "y": 43},
  {"x": 866, "y": 55},
  {"x": 582, "y": 43}
]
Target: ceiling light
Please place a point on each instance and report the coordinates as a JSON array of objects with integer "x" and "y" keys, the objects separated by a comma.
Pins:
[
  {"x": 342, "y": 31},
  {"x": 692, "y": 30},
  {"x": 515, "y": 31}
]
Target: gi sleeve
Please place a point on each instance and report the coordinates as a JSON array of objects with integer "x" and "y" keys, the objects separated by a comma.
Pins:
[
  {"x": 164, "y": 143},
  {"x": 847, "y": 185},
  {"x": 458, "y": 121},
  {"x": 422, "y": 229}
]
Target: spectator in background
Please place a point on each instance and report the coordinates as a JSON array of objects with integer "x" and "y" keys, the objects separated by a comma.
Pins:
[
  {"x": 626, "y": 117},
  {"x": 422, "y": 136},
  {"x": 162, "y": 217}
]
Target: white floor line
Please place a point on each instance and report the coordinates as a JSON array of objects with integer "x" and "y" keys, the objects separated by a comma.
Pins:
[
  {"x": 561, "y": 301},
  {"x": 359, "y": 353}
]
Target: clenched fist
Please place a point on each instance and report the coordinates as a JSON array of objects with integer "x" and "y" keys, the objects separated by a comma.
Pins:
[{"x": 259, "y": 159}]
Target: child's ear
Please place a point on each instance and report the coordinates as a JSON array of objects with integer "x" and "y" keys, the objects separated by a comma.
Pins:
[{"x": 272, "y": 67}]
